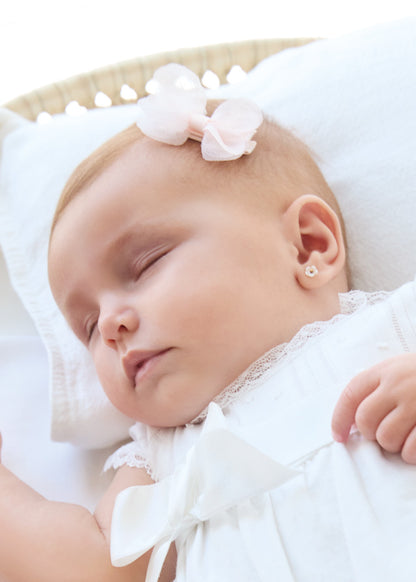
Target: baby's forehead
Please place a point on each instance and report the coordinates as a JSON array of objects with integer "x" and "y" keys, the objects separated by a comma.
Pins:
[
  {"x": 181, "y": 171},
  {"x": 182, "y": 166}
]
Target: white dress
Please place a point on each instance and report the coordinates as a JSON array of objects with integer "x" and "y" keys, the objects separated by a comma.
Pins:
[{"x": 259, "y": 491}]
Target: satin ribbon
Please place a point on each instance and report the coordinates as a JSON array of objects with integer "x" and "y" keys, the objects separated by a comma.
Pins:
[
  {"x": 221, "y": 470},
  {"x": 176, "y": 111}
]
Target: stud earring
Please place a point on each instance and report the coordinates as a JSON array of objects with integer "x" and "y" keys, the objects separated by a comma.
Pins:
[{"x": 311, "y": 271}]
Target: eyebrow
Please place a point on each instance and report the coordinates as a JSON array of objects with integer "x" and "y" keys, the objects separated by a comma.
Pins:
[
  {"x": 146, "y": 236},
  {"x": 141, "y": 237}
]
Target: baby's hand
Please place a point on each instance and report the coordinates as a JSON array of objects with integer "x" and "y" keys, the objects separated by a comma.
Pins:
[{"x": 381, "y": 401}]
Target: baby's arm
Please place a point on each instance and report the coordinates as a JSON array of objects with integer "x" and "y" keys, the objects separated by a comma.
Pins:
[
  {"x": 381, "y": 401},
  {"x": 45, "y": 541}
]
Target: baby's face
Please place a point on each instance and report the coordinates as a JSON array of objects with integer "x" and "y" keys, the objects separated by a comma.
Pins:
[{"x": 175, "y": 286}]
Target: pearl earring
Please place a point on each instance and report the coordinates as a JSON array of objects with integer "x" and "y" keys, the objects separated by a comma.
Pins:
[{"x": 311, "y": 271}]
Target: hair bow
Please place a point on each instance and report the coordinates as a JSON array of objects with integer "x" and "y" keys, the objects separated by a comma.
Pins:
[{"x": 176, "y": 111}]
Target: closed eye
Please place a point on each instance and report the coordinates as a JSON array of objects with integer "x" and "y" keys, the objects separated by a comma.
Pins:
[
  {"x": 90, "y": 327},
  {"x": 147, "y": 261}
]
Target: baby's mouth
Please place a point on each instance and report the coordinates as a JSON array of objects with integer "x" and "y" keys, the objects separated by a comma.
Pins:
[{"x": 137, "y": 363}]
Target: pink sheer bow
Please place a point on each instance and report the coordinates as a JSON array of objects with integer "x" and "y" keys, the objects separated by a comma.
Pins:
[{"x": 177, "y": 112}]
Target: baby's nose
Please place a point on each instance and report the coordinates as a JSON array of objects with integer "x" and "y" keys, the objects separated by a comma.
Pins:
[{"x": 115, "y": 323}]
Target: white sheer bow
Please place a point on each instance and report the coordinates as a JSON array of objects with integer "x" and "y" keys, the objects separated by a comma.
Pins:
[{"x": 154, "y": 516}]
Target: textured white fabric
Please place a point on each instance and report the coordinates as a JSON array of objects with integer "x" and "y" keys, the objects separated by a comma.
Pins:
[
  {"x": 352, "y": 101},
  {"x": 348, "y": 513}
]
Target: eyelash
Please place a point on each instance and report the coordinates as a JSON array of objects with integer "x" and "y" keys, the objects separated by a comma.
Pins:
[
  {"x": 89, "y": 329},
  {"x": 142, "y": 267}
]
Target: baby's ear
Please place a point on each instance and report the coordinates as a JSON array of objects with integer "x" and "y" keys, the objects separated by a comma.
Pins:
[{"x": 315, "y": 231}]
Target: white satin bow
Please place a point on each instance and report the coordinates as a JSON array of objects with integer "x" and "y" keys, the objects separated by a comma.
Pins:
[
  {"x": 177, "y": 111},
  {"x": 220, "y": 471}
]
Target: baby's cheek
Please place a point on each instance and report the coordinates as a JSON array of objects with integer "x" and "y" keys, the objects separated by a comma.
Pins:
[{"x": 108, "y": 372}]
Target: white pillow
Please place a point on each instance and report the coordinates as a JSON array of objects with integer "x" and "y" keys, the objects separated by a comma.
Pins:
[
  {"x": 352, "y": 100},
  {"x": 35, "y": 164}
]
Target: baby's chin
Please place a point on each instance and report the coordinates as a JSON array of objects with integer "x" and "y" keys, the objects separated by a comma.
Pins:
[
  {"x": 173, "y": 399},
  {"x": 167, "y": 419},
  {"x": 195, "y": 417}
]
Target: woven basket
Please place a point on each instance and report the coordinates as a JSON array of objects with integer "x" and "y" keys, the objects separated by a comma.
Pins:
[{"x": 135, "y": 73}]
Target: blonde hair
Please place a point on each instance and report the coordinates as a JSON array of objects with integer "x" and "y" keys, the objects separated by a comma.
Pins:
[{"x": 281, "y": 162}]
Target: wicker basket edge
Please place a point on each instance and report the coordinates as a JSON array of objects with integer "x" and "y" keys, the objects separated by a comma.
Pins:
[{"x": 135, "y": 73}]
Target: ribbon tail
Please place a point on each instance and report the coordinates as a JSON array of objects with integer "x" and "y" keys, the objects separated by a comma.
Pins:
[
  {"x": 157, "y": 559},
  {"x": 139, "y": 521}
]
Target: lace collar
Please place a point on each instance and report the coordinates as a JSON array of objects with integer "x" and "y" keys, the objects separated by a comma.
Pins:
[{"x": 260, "y": 370}]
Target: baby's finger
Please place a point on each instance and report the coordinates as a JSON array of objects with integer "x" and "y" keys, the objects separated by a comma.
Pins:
[
  {"x": 372, "y": 411},
  {"x": 351, "y": 397},
  {"x": 394, "y": 429},
  {"x": 409, "y": 448}
]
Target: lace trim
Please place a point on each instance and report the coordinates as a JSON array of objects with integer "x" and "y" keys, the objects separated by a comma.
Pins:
[
  {"x": 354, "y": 300},
  {"x": 261, "y": 369},
  {"x": 127, "y": 455}
]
